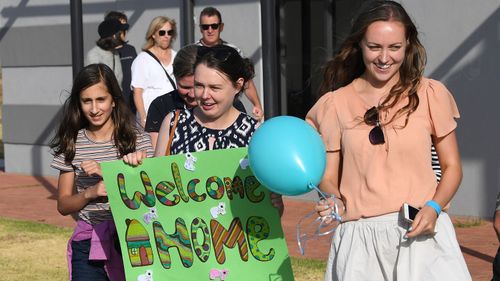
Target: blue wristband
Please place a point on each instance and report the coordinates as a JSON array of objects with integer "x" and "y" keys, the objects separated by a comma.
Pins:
[{"x": 434, "y": 205}]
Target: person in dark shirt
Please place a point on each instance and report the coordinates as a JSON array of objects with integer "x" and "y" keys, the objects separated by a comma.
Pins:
[
  {"x": 180, "y": 98},
  {"x": 127, "y": 55}
]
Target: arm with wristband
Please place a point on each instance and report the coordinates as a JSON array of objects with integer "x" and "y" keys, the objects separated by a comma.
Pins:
[{"x": 449, "y": 158}]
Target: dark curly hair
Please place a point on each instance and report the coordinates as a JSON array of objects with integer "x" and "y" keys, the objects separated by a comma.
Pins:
[{"x": 226, "y": 60}]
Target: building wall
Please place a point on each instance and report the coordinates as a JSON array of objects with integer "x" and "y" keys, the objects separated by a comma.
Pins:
[
  {"x": 35, "y": 55},
  {"x": 462, "y": 39}
]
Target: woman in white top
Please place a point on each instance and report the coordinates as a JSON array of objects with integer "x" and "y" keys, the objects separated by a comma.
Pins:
[{"x": 149, "y": 78}]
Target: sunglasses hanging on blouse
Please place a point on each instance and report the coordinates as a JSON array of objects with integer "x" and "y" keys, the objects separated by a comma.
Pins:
[{"x": 376, "y": 135}]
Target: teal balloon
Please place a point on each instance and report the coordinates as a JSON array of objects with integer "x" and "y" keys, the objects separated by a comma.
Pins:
[{"x": 287, "y": 155}]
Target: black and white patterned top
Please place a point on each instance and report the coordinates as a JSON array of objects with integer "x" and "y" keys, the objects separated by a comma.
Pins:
[
  {"x": 191, "y": 136},
  {"x": 436, "y": 167},
  {"x": 498, "y": 202}
]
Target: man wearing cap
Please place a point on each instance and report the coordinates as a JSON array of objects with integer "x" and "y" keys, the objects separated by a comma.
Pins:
[
  {"x": 105, "y": 52},
  {"x": 127, "y": 55}
]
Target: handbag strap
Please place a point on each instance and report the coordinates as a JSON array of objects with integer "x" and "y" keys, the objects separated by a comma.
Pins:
[
  {"x": 172, "y": 131},
  {"x": 166, "y": 73}
]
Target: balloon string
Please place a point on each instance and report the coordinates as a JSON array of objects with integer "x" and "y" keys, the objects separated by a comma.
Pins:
[
  {"x": 335, "y": 209},
  {"x": 302, "y": 238}
]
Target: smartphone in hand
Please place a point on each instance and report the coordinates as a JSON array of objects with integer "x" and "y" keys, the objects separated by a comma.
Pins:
[{"x": 409, "y": 212}]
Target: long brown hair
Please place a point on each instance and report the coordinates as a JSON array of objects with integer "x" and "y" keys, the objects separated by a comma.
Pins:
[
  {"x": 125, "y": 130},
  {"x": 348, "y": 64}
]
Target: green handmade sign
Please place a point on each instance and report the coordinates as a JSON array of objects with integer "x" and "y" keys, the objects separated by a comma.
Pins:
[{"x": 199, "y": 216}]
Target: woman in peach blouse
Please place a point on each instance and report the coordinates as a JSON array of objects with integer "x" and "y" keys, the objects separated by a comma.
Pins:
[{"x": 378, "y": 122}]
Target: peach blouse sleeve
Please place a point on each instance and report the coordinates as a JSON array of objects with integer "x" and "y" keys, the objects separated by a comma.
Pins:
[
  {"x": 442, "y": 108},
  {"x": 323, "y": 117}
]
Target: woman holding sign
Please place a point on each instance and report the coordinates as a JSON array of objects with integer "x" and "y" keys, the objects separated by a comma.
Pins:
[
  {"x": 94, "y": 114},
  {"x": 378, "y": 124},
  {"x": 220, "y": 74}
]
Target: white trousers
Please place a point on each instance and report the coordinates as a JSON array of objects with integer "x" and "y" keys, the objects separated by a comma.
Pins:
[{"x": 375, "y": 249}]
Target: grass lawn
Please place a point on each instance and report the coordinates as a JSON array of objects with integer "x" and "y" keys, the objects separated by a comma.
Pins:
[
  {"x": 32, "y": 251},
  {"x": 35, "y": 251}
]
